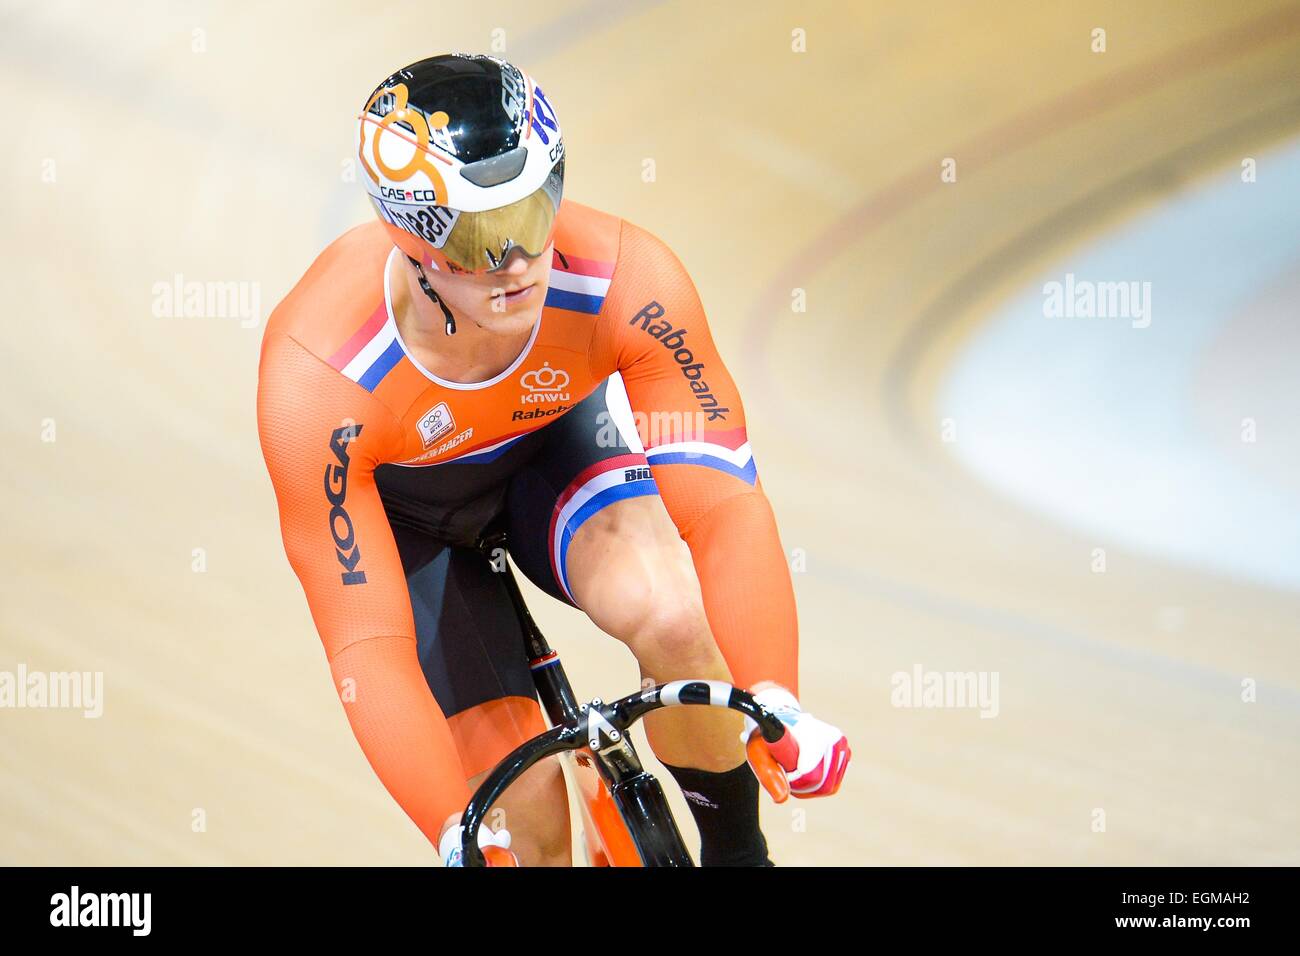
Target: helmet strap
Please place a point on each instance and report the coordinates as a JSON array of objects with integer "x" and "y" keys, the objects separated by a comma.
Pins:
[{"x": 450, "y": 327}]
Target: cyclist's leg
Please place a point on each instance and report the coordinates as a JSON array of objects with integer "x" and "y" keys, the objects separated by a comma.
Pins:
[
  {"x": 472, "y": 653},
  {"x": 588, "y": 526},
  {"x": 631, "y": 573}
]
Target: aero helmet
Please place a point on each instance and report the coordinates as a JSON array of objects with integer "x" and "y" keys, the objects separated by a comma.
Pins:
[{"x": 463, "y": 161}]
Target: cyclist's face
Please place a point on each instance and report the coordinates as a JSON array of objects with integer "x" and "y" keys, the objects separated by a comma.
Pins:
[{"x": 505, "y": 301}]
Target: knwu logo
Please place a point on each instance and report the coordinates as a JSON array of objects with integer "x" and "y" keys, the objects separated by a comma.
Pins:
[{"x": 545, "y": 384}]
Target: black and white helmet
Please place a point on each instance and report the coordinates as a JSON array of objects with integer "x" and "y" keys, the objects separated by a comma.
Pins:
[{"x": 464, "y": 161}]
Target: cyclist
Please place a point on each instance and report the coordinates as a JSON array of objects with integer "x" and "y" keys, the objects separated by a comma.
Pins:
[{"x": 478, "y": 358}]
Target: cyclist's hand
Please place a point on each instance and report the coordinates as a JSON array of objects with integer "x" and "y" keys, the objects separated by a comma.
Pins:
[
  {"x": 813, "y": 754},
  {"x": 495, "y": 845}
]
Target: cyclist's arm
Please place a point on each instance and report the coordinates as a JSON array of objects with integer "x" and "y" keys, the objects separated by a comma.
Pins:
[
  {"x": 708, "y": 480},
  {"x": 341, "y": 547}
]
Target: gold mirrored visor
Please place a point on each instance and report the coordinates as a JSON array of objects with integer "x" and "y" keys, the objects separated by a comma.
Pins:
[
  {"x": 478, "y": 242},
  {"x": 481, "y": 241}
]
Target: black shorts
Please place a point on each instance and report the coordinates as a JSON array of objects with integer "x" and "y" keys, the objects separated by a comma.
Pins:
[{"x": 540, "y": 488}]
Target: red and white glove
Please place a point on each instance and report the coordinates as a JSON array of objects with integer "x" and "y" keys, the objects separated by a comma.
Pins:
[{"x": 813, "y": 754}]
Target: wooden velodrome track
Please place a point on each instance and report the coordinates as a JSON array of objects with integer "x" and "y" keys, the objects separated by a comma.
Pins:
[{"x": 211, "y": 141}]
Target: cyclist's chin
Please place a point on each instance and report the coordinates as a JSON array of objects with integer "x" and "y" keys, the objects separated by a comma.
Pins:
[{"x": 510, "y": 322}]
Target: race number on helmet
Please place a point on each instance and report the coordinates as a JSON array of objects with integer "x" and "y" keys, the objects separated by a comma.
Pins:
[{"x": 463, "y": 160}]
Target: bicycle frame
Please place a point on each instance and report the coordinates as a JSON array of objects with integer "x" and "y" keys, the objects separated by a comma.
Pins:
[{"x": 596, "y": 734}]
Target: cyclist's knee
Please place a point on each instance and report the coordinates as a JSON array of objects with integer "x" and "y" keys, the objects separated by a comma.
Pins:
[
  {"x": 668, "y": 633},
  {"x": 546, "y": 846},
  {"x": 537, "y": 815},
  {"x": 633, "y": 575},
  {"x": 671, "y": 627}
]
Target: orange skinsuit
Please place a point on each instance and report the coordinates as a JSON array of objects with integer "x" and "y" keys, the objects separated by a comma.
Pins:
[{"x": 338, "y": 395}]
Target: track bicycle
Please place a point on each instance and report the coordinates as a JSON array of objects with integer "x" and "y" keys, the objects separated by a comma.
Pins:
[{"x": 626, "y": 818}]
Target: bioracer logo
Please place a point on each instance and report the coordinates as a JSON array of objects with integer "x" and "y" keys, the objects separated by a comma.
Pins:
[{"x": 336, "y": 491}]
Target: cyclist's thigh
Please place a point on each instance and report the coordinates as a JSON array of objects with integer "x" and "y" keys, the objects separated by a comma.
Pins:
[
  {"x": 470, "y": 647},
  {"x": 590, "y": 460}
]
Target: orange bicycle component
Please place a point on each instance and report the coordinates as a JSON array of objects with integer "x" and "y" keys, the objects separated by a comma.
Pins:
[{"x": 608, "y": 841}]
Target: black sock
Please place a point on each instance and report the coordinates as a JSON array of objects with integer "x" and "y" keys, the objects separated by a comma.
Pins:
[{"x": 725, "y": 807}]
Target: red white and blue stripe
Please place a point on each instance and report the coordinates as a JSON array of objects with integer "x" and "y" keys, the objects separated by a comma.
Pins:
[
  {"x": 372, "y": 352},
  {"x": 724, "y": 451},
  {"x": 492, "y": 452},
  {"x": 475, "y": 456},
  {"x": 597, "y": 487},
  {"x": 545, "y": 661},
  {"x": 579, "y": 287}
]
